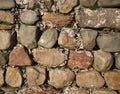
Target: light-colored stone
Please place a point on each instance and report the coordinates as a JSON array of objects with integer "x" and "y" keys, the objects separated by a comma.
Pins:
[
  {"x": 29, "y": 17},
  {"x": 60, "y": 78},
  {"x": 48, "y": 38},
  {"x": 1, "y": 76},
  {"x": 104, "y": 91},
  {"x": 89, "y": 79},
  {"x": 78, "y": 92},
  {"x": 49, "y": 57},
  {"x": 6, "y": 26},
  {"x": 102, "y": 60},
  {"x": 117, "y": 61},
  {"x": 13, "y": 77},
  {"x": 87, "y": 3}
]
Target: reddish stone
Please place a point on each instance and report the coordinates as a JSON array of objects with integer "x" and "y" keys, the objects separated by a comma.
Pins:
[{"x": 82, "y": 59}]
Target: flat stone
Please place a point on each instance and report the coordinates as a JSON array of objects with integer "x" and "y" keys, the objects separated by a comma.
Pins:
[
  {"x": 29, "y": 41},
  {"x": 89, "y": 38},
  {"x": 67, "y": 38},
  {"x": 89, "y": 79},
  {"x": 19, "y": 57},
  {"x": 99, "y": 18},
  {"x": 78, "y": 92},
  {"x": 80, "y": 59},
  {"x": 35, "y": 75},
  {"x": 49, "y": 57},
  {"x": 60, "y": 78},
  {"x": 7, "y": 4},
  {"x": 66, "y": 6},
  {"x": 109, "y": 3},
  {"x": 6, "y": 26},
  {"x": 112, "y": 79},
  {"x": 7, "y": 39},
  {"x": 102, "y": 60},
  {"x": 29, "y": 17},
  {"x": 13, "y": 77},
  {"x": 104, "y": 91},
  {"x": 117, "y": 61},
  {"x": 105, "y": 40},
  {"x": 1, "y": 76},
  {"x": 48, "y": 38},
  {"x": 3, "y": 59},
  {"x": 63, "y": 20},
  {"x": 87, "y": 3}
]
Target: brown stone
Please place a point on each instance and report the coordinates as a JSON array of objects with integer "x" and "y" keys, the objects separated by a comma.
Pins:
[
  {"x": 80, "y": 59},
  {"x": 78, "y": 92},
  {"x": 104, "y": 91},
  {"x": 13, "y": 77},
  {"x": 1, "y": 76},
  {"x": 48, "y": 57},
  {"x": 112, "y": 79},
  {"x": 89, "y": 79},
  {"x": 117, "y": 61},
  {"x": 87, "y": 3},
  {"x": 19, "y": 57},
  {"x": 63, "y": 20},
  {"x": 6, "y": 27}
]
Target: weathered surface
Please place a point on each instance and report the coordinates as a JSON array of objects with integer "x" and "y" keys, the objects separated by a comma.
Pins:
[
  {"x": 19, "y": 57},
  {"x": 80, "y": 59},
  {"x": 78, "y": 92},
  {"x": 1, "y": 76},
  {"x": 117, "y": 61},
  {"x": 63, "y": 20},
  {"x": 87, "y": 3},
  {"x": 89, "y": 79},
  {"x": 104, "y": 91},
  {"x": 13, "y": 77},
  {"x": 48, "y": 3},
  {"x": 105, "y": 40},
  {"x": 102, "y": 60},
  {"x": 112, "y": 79},
  {"x": 49, "y": 57},
  {"x": 98, "y": 18},
  {"x": 6, "y": 26},
  {"x": 61, "y": 77}
]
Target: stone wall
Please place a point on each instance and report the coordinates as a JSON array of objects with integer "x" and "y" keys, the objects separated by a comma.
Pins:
[{"x": 59, "y": 47}]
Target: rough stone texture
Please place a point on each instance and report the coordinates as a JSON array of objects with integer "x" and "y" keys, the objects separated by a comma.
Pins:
[
  {"x": 89, "y": 79},
  {"x": 109, "y": 3},
  {"x": 35, "y": 75},
  {"x": 13, "y": 77},
  {"x": 48, "y": 3},
  {"x": 100, "y": 91},
  {"x": 61, "y": 77},
  {"x": 48, "y": 57},
  {"x": 1, "y": 76},
  {"x": 117, "y": 61},
  {"x": 98, "y": 18},
  {"x": 30, "y": 40},
  {"x": 78, "y": 92},
  {"x": 87, "y": 3},
  {"x": 102, "y": 60},
  {"x": 12, "y": 92},
  {"x": 89, "y": 38},
  {"x": 66, "y": 6},
  {"x": 6, "y": 26},
  {"x": 80, "y": 59},
  {"x": 66, "y": 38},
  {"x": 48, "y": 38},
  {"x": 7, "y": 39},
  {"x": 112, "y": 79},
  {"x": 29, "y": 17},
  {"x": 63, "y": 20},
  {"x": 105, "y": 40},
  {"x": 19, "y": 57},
  {"x": 3, "y": 59}
]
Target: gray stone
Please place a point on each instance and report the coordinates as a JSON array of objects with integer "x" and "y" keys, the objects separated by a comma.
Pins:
[
  {"x": 102, "y": 60},
  {"x": 1, "y": 76},
  {"x": 109, "y": 42},
  {"x": 87, "y": 3},
  {"x": 27, "y": 35},
  {"x": 89, "y": 38},
  {"x": 104, "y": 91},
  {"x": 99, "y": 18},
  {"x": 7, "y": 4},
  {"x": 29, "y": 17},
  {"x": 48, "y": 38},
  {"x": 117, "y": 61},
  {"x": 3, "y": 59}
]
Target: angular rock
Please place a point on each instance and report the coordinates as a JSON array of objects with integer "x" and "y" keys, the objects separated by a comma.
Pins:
[
  {"x": 109, "y": 3},
  {"x": 3, "y": 59},
  {"x": 63, "y": 20},
  {"x": 19, "y": 57},
  {"x": 87, "y": 3},
  {"x": 7, "y": 4},
  {"x": 66, "y": 6},
  {"x": 60, "y": 78},
  {"x": 7, "y": 39},
  {"x": 89, "y": 79},
  {"x": 30, "y": 40},
  {"x": 67, "y": 38},
  {"x": 105, "y": 40},
  {"x": 80, "y": 59},
  {"x": 6, "y": 26},
  {"x": 112, "y": 79},
  {"x": 48, "y": 38},
  {"x": 29, "y": 17},
  {"x": 13, "y": 77},
  {"x": 35, "y": 75},
  {"x": 104, "y": 91},
  {"x": 49, "y": 57},
  {"x": 89, "y": 38},
  {"x": 1, "y": 76},
  {"x": 117, "y": 61},
  {"x": 102, "y": 60},
  {"x": 99, "y": 18}
]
